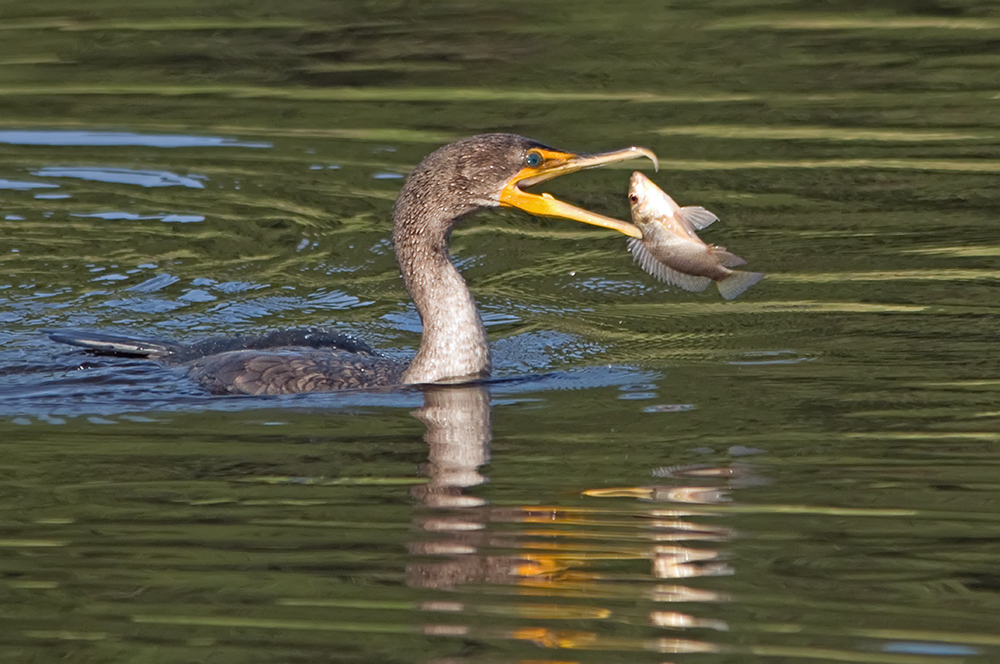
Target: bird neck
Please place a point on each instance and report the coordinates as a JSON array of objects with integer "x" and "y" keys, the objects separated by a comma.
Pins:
[{"x": 453, "y": 346}]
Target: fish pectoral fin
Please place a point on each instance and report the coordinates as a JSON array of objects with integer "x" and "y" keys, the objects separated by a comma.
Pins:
[
  {"x": 733, "y": 286},
  {"x": 726, "y": 258},
  {"x": 697, "y": 217},
  {"x": 648, "y": 262}
]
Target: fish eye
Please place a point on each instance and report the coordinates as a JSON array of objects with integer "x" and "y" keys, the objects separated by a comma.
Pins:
[
  {"x": 633, "y": 198},
  {"x": 533, "y": 159}
]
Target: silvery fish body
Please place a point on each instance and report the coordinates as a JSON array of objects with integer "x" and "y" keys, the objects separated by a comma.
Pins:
[{"x": 671, "y": 250}]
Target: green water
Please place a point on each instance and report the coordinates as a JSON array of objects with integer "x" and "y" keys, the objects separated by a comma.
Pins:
[{"x": 806, "y": 474}]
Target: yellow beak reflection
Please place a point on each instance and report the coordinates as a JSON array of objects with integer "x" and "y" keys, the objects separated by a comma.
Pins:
[{"x": 551, "y": 164}]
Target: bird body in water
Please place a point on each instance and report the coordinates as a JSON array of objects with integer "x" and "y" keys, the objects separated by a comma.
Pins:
[{"x": 455, "y": 181}]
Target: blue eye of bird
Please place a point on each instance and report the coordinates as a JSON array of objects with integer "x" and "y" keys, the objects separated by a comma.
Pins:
[{"x": 533, "y": 159}]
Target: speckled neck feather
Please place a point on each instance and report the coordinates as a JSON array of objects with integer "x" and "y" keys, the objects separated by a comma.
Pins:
[{"x": 435, "y": 197}]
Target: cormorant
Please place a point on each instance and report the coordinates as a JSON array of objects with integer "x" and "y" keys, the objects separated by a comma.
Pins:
[{"x": 455, "y": 181}]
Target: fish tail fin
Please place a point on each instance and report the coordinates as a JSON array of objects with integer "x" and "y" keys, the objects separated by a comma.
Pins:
[
  {"x": 733, "y": 286},
  {"x": 697, "y": 216},
  {"x": 726, "y": 258}
]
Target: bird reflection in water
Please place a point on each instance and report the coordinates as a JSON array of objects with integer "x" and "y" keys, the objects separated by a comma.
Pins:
[
  {"x": 553, "y": 554},
  {"x": 458, "y": 437}
]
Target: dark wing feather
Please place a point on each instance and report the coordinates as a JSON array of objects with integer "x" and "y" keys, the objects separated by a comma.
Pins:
[{"x": 293, "y": 371}]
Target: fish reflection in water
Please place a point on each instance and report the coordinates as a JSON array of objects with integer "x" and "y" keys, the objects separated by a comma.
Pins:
[
  {"x": 673, "y": 557},
  {"x": 552, "y": 552},
  {"x": 671, "y": 250}
]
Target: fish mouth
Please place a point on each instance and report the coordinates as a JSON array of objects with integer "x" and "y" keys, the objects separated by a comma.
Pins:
[{"x": 549, "y": 164}]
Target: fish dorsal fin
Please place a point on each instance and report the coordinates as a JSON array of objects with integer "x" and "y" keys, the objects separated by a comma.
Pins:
[
  {"x": 726, "y": 258},
  {"x": 696, "y": 216},
  {"x": 667, "y": 275}
]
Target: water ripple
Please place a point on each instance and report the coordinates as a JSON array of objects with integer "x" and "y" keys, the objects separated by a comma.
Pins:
[
  {"x": 70, "y": 138},
  {"x": 123, "y": 176}
]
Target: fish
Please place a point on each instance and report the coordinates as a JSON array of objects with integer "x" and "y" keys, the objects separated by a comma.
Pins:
[{"x": 671, "y": 250}]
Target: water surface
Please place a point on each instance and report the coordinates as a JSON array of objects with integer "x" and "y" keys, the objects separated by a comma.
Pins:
[{"x": 805, "y": 474}]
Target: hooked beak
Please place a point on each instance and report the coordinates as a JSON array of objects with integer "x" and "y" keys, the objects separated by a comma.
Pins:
[{"x": 555, "y": 163}]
